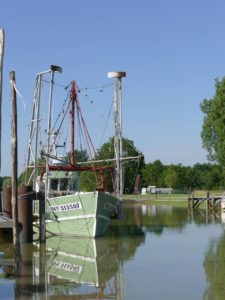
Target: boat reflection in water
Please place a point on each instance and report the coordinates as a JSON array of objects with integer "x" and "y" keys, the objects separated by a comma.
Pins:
[
  {"x": 75, "y": 264},
  {"x": 75, "y": 267},
  {"x": 85, "y": 267}
]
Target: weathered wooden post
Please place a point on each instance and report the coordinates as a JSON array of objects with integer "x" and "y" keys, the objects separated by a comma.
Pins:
[
  {"x": 25, "y": 213},
  {"x": 208, "y": 202},
  {"x": 1, "y": 70},
  {"x": 16, "y": 240},
  {"x": 192, "y": 201}
]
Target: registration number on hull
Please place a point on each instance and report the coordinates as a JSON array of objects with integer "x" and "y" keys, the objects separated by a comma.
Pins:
[{"x": 66, "y": 207}]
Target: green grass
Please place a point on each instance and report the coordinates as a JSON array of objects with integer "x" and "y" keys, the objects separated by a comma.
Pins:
[
  {"x": 179, "y": 200},
  {"x": 158, "y": 197},
  {"x": 176, "y": 200}
]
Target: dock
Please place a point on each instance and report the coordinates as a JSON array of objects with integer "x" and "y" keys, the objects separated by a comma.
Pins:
[
  {"x": 212, "y": 202},
  {"x": 7, "y": 262},
  {"x": 5, "y": 222}
]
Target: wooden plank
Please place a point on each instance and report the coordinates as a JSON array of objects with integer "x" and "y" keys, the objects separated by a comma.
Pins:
[{"x": 7, "y": 261}]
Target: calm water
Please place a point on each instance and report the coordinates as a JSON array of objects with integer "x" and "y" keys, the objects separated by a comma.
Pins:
[{"x": 154, "y": 253}]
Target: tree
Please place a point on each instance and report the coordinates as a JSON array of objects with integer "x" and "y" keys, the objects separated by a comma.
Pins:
[
  {"x": 5, "y": 181},
  {"x": 131, "y": 168},
  {"x": 79, "y": 155},
  {"x": 153, "y": 174},
  {"x": 213, "y": 128},
  {"x": 171, "y": 178}
]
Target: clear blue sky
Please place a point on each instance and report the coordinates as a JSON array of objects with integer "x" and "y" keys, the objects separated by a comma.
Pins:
[{"x": 172, "y": 52}]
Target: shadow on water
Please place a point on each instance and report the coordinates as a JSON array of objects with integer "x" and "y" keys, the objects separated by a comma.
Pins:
[{"x": 83, "y": 268}]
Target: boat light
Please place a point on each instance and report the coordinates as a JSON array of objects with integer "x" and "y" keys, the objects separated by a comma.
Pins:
[{"x": 116, "y": 74}]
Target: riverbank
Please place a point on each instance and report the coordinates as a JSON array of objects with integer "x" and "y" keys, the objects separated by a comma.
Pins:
[{"x": 177, "y": 200}]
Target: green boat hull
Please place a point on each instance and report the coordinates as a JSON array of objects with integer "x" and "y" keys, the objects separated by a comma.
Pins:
[{"x": 80, "y": 214}]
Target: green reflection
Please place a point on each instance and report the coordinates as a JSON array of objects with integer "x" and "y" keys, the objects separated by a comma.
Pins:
[{"x": 214, "y": 265}]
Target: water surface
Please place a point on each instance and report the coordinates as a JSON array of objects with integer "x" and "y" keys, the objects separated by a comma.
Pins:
[{"x": 155, "y": 252}]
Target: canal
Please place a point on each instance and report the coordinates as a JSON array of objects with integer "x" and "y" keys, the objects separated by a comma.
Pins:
[{"x": 154, "y": 252}]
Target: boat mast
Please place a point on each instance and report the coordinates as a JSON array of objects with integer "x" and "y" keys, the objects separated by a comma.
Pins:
[
  {"x": 33, "y": 139},
  {"x": 118, "y": 148},
  {"x": 53, "y": 69},
  {"x": 72, "y": 98}
]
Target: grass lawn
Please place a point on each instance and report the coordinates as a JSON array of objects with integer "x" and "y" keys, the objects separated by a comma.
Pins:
[{"x": 159, "y": 199}]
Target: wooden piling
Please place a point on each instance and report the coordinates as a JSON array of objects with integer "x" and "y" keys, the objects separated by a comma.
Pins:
[
  {"x": 7, "y": 202},
  {"x": 16, "y": 241},
  {"x": 25, "y": 213},
  {"x": 1, "y": 70},
  {"x": 208, "y": 202}
]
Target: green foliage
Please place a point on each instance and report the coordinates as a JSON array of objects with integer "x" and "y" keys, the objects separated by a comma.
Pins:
[
  {"x": 213, "y": 128},
  {"x": 153, "y": 174},
  {"x": 214, "y": 266},
  {"x": 200, "y": 176},
  {"x": 131, "y": 168},
  {"x": 6, "y": 181},
  {"x": 87, "y": 181},
  {"x": 171, "y": 178},
  {"x": 79, "y": 155},
  {"x": 206, "y": 176}
]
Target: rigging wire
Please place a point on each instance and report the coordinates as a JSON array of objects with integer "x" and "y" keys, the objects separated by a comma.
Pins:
[
  {"x": 62, "y": 111},
  {"x": 100, "y": 87},
  {"x": 83, "y": 131},
  {"x": 106, "y": 124},
  {"x": 88, "y": 140}
]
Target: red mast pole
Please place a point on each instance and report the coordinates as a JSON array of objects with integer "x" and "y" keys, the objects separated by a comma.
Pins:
[{"x": 72, "y": 98}]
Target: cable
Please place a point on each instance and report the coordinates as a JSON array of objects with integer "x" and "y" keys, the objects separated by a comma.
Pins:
[
  {"x": 96, "y": 87},
  {"x": 107, "y": 121}
]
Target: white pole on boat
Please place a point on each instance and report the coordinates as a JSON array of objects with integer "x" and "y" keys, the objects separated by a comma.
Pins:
[
  {"x": 33, "y": 139},
  {"x": 37, "y": 107},
  {"x": 118, "y": 148},
  {"x": 53, "y": 69},
  {"x": 49, "y": 133}
]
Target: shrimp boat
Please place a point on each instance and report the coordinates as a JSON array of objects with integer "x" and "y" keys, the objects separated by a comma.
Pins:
[{"x": 60, "y": 208}]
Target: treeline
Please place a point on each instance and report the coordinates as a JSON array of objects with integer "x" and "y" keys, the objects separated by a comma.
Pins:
[{"x": 200, "y": 176}]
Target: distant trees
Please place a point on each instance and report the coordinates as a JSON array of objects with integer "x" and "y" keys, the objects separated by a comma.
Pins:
[
  {"x": 153, "y": 173},
  {"x": 200, "y": 176},
  {"x": 171, "y": 178}
]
